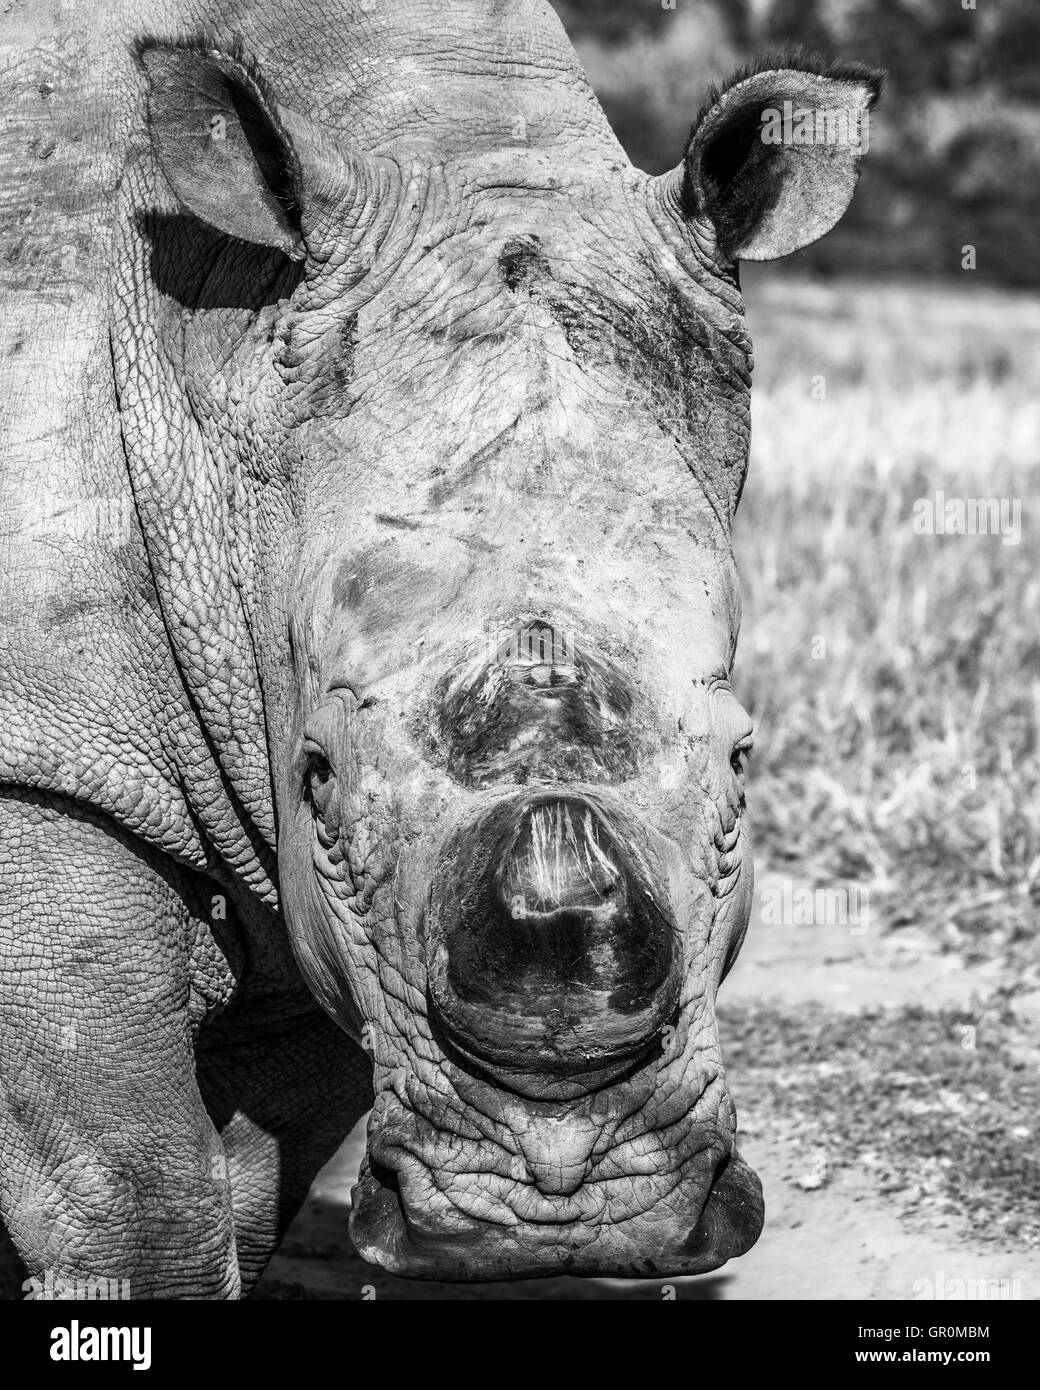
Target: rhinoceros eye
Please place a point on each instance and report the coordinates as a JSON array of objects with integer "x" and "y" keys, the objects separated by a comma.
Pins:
[
  {"x": 320, "y": 770},
  {"x": 741, "y": 755},
  {"x": 320, "y": 781}
]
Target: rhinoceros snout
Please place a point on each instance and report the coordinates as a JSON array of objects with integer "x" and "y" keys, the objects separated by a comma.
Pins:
[{"x": 548, "y": 948}]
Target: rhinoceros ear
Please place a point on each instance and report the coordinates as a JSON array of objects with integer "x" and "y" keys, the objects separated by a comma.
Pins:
[
  {"x": 774, "y": 155},
  {"x": 222, "y": 144}
]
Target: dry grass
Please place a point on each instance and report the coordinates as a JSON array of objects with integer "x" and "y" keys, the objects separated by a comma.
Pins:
[{"x": 906, "y": 758}]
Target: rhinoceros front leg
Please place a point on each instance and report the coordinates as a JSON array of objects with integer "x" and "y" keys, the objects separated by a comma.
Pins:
[
  {"x": 110, "y": 1167},
  {"x": 284, "y": 1097}
]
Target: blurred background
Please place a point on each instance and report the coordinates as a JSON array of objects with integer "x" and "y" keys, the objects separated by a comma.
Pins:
[{"x": 956, "y": 152}]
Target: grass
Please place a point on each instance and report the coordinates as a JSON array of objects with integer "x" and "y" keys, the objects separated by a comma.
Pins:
[{"x": 894, "y": 677}]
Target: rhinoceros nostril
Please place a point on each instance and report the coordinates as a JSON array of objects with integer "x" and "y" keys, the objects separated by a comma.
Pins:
[{"x": 548, "y": 949}]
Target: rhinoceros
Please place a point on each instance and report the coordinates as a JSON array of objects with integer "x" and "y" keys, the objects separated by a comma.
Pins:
[{"x": 373, "y": 432}]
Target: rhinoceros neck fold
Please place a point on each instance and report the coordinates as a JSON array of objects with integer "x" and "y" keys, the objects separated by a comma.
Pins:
[
  {"x": 179, "y": 488},
  {"x": 93, "y": 704}
]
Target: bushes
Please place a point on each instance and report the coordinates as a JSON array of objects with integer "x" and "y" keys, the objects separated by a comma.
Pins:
[{"x": 955, "y": 151}]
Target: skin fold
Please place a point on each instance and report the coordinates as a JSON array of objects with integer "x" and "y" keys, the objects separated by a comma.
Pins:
[{"x": 373, "y": 439}]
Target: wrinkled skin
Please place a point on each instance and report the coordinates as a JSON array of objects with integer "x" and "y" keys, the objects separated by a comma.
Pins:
[{"x": 422, "y": 364}]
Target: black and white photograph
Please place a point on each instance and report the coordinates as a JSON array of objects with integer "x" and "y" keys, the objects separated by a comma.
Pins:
[{"x": 519, "y": 663}]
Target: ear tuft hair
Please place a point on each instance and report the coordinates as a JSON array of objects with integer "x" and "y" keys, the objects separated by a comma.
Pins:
[{"x": 802, "y": 60}]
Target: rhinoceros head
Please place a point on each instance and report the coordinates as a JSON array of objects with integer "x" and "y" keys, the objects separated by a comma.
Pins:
[{"x": 487, "y": 424}]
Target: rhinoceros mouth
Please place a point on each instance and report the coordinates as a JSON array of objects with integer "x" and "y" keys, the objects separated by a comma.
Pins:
[
  {"x": 541, "y": 1085},
  {"x": 639, "y": 1181},
  {"x": 712, "y": 1215}
]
